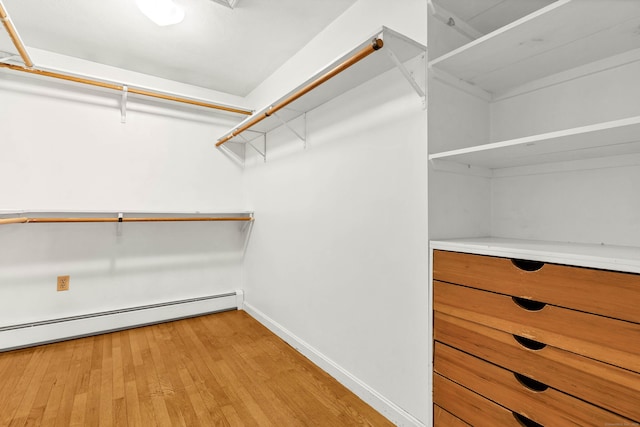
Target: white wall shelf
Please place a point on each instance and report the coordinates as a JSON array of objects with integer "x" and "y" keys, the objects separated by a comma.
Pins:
[
  {"x": 396, "y": 52},
  {"x": 607, "y": 257},
  {"x": 545, "y": 42},
  {"x": 50, "y": 216},
  {"x": 618, "y": 137}
]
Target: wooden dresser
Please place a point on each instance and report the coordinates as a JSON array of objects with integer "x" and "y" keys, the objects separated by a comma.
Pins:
[{"x": 527, "y": 343}]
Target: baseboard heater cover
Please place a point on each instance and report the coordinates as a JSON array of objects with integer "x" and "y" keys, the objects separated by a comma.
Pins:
[{"x": 36, "y": 333}]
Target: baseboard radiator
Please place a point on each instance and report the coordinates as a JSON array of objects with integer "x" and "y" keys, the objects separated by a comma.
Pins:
[{"x": 42, "y": 332}]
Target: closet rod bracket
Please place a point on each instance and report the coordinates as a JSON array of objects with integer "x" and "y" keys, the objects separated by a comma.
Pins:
[
  {"x": 123, "y": 104},
  {"x": 420, "y": 89},
  {"x": 302, "y": 137},
  {"x": 119, "y": 224},
  {"x": 263, "y": 152},
  {"x": 247, "y": 224}
]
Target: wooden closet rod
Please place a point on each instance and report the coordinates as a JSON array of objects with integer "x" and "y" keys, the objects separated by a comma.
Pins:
[
  {"x": 363, "y": 53},
  {"x": 120, "y": 88},
  {"x": 15, "y": 38},
  {"x": 87, "y": 81},
  {"x": 149, "y": 219},
  {"x": 13, "y": 220}
]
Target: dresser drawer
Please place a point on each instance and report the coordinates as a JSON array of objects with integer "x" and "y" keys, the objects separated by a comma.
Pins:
[
  {"x": 611, "y": 294},
  {"x": 445, "y": 419},
  {"x": 613, "y": 341},
  {"x": 470, "y": 407},
  {"x": 610, "y": 387},
  {"x": 535, "y": 400}
]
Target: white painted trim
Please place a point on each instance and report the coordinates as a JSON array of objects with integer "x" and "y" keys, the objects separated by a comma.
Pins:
[
  {"x": 92, "y": 324},
  {"x": 383, "y": 405}
]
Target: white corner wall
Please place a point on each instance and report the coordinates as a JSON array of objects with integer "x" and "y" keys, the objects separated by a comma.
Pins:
[
  {"x": 64, "y": 148},
  {"x": 590, "y": 201},
  {"x": 337, "y": 263}
]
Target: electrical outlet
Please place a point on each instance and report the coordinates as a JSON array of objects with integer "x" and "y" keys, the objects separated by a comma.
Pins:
[{"x": 63, "y": 283}]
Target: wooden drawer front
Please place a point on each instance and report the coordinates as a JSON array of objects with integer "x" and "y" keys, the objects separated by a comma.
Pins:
[
  {"x": 610, "y": 387},
  {"x": 469, "y": 406},
  {"x": 443, "y": 418},
  {"x": 613, "y": 341},
  {"x": 607, "y": 293},
  {"x": 538, "y": 402}
]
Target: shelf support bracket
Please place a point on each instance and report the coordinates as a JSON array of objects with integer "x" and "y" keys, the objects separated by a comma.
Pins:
[
  {"x": 263, "y": 153},
  {"x": 302, "y": 137},
  {"x": 5, "y": 57},
  {"x": 123, "y": 104},
  {"x": 247, "y": 224},
  {"x": 420, "y": 90},
  {"x": 119, "y": 224}
]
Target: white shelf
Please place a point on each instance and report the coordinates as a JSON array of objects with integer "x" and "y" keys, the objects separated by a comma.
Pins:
[
  {"x": 126, "y": 216},
  {"x": 373, "y": 65},
  {"x": 606, "y": 139},
  {"x": 564, "y": 35},
  {"x": 617, "y": 258}
]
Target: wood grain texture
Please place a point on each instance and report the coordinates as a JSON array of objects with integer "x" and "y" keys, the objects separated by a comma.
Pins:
[
  {"x": 608, "y": 293},
  {"x": 613, "y": 341},
  {"x": 442, "y": 418},
  {"x": 610, "y": 387},
  {"x": 470, "y": 407},
  {"x": 223, "y": 369},
  {"x": 549, "y": 407}
]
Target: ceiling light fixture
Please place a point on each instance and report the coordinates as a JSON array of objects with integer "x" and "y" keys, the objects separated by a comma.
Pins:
[{"x": 161, "y": 12}]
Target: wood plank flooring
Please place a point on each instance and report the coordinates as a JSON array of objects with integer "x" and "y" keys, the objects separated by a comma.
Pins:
[{"x": 222, "y": 369}]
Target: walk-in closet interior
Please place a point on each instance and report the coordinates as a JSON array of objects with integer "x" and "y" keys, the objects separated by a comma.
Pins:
[{"x": 431, "y": 202}]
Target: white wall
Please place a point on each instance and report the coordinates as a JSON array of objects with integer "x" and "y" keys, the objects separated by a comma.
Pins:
[
  {"x": 597, "y": 97},
  {"x": 338, "y": 255},
  {"x": 457, "y": 120},
  {"x": 64, "y": 148},
  {"x": 338, "y": 258},
  {"x": 592, "y": 201}
]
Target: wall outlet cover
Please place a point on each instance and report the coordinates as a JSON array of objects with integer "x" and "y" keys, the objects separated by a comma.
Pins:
[{"x": 63, "y": 283}]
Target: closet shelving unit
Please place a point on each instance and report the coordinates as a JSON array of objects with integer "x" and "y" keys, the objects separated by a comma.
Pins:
[
  {"x": 543, "y": 43},
  {"x": 384, "y": 50},
  {"x": 564, "y": 40}
]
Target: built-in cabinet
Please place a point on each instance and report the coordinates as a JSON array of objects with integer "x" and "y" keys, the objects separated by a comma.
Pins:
[
  {"x": 533, "y": 343},
  {"x": 534, "y": 144}
]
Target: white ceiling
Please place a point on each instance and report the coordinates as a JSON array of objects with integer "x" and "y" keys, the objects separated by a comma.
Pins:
[{"x": 229, "y": 50}]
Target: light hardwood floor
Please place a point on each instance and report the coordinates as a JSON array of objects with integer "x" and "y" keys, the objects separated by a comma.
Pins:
[{"x": 222, "y": 369}]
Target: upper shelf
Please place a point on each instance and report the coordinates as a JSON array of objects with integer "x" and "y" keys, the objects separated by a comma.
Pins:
[
  {"x": 605, "y": 139},
  {"x": 395, "y": 47},
  {"x": 564, "y": 35}
]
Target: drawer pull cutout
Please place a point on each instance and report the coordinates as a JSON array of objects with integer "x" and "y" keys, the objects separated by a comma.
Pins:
[
  {"x": 529, "y": 304},
  {"x": 526, "y": 422},
  {"x": 530, "y": 383},
  {"x": 528, "y": 343},
  {"x": 527, "y": 265}
]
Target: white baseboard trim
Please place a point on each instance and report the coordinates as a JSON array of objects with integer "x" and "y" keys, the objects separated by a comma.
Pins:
[
  {"x": 43, "y": 332},
  {"x": 394, "y": 413}
]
